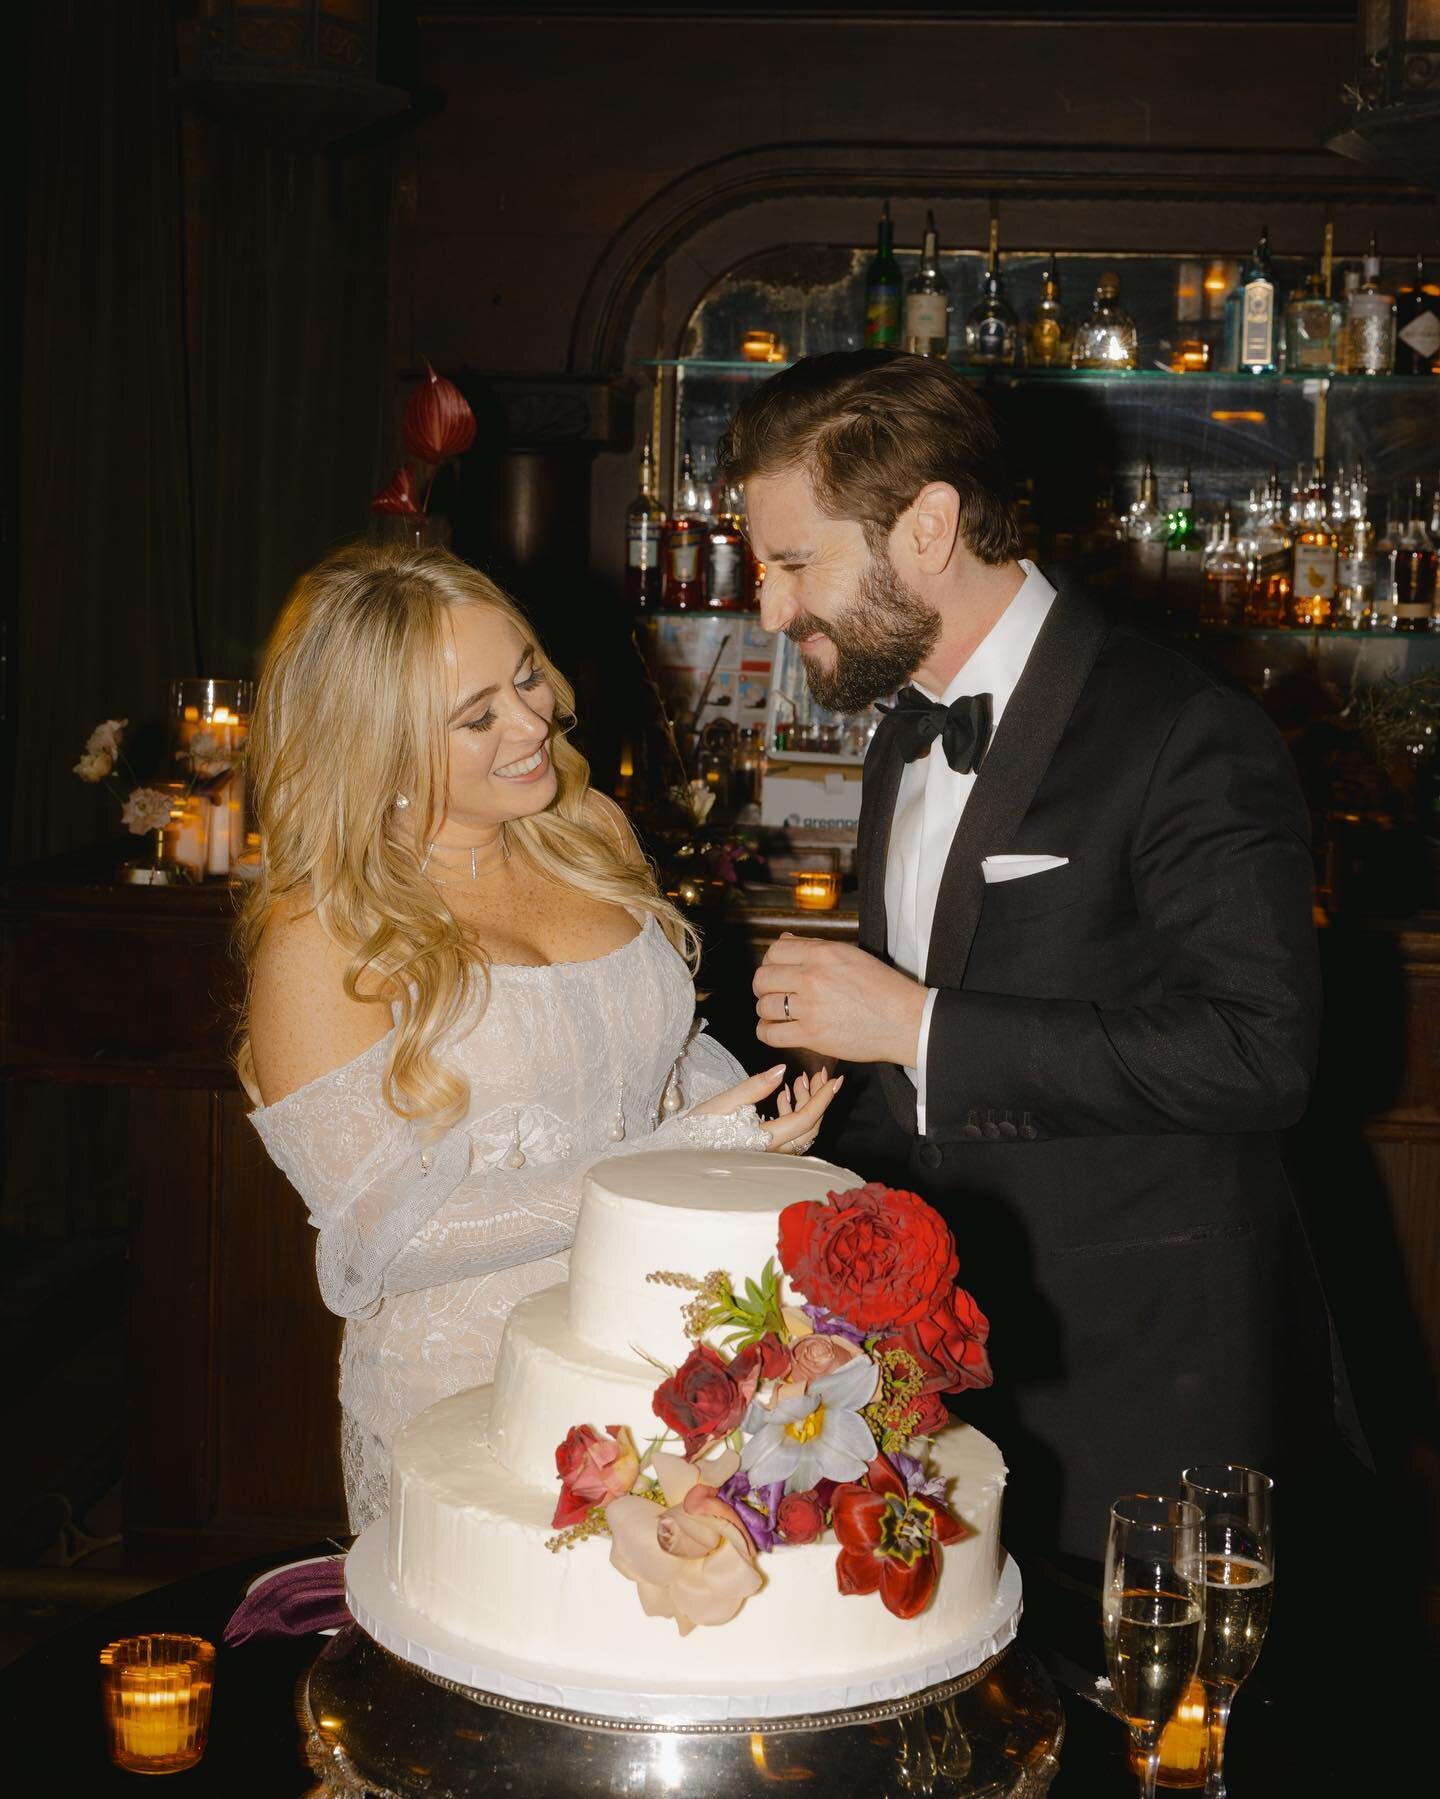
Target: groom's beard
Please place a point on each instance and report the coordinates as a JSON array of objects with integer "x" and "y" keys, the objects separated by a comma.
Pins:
[{"x": 880, "y": 639}]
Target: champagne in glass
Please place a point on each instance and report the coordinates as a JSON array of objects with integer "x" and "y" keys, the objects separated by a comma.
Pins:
[
  {"x": 1238, "y": 1569},
  {"x": 1153, "y": 1614}
]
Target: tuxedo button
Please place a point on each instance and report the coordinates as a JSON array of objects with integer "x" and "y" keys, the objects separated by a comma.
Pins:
[
  {"x": 929, "y": 1155},
  {"x": 990, "y": 1130}
]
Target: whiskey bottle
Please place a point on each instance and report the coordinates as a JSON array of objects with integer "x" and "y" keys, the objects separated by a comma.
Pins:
[
  {"x": 1107, "y": 338},
  {"x": 1184, "y": 560},
  {"x": 1387, "y": 538},
  {"x": 1222, "y": 602},
  {"x": 1370, "y": 323},
  {"x": 1312, "y": 594},
  {"x": 683, "y": 544},
  {"x": 927, "y": 302},
  {"x": 1258, "y": 311},
  {"x": 992, "y": 329},
  {"x": 1268, "y": 603},
  {"x": 1312, "y": 329},
  {"x": 1415, "y": 557},
  {"x": 882, "y": 290},
  {"x": 1417, "y": 324},
  {"x": 1355, "y": 566},
  {"x": 1049, "y": 338},
  {"x": 644, "y": 529},
  {"x": 725, "y": 556}
]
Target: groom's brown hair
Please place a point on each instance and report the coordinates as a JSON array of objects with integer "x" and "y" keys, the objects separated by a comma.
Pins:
[{"x": 871, "y": 428}]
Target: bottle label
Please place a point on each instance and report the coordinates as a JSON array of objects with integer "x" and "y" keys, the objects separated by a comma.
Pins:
[
  {"x": 926, "y": 319},
  {"x": 990, "y": 336},
  {"x": 1257, "y": 337},
  {"x": 682, "y": 557},
  {"x": 1314, "y": 571},
  {"x": 643, "y": 542},
  {"x": 1421, "y": 335},
  {"x": 1357, "y": 574},
  {"x": 723, "y": 563},
  {"x": 882, "y": 317}
]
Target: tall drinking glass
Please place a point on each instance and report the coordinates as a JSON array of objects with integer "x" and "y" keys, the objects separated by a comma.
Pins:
[
  {"x": 1152, "y": 1614},
  {"x": 1238, "y": 1560}
]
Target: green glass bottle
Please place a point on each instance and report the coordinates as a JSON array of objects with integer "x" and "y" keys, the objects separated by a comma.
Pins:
[
  {"x": 883, "y": 290},
  {"x": 1259, "y": 312}
]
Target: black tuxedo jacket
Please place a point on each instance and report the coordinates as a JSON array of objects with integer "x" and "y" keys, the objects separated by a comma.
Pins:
[{"x": 1114, "y": 1047}]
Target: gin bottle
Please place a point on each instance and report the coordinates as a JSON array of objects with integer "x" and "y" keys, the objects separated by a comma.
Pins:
[
  {"x": 1107, "y": 338},
  {"x": 1370, "y": 323},
  {"x": 992, "y": 329},
  {"x": 1417, "y": 324},
  {"x": 1258, "y": 311}
]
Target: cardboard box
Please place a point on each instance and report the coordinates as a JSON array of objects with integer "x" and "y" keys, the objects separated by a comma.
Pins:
[{"x": 806, "y": 791}]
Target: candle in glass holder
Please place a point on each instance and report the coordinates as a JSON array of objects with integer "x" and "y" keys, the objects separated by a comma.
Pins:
[
  {"x": 187, "y": 834},
  {"x": 817, "y": 889},
  {"x": 156, "y": 1692}
]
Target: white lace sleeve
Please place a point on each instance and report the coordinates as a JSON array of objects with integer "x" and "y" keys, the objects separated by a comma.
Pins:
[
  {"x": 704, "y": 1069},
  {"x": 367, "y": 1183}
]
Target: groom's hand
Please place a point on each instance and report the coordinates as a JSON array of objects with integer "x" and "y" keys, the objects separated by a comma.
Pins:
[{"x": 843, "y": 1003}]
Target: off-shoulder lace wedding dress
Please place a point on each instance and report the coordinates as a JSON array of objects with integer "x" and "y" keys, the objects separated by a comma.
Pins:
[{"x": 424, "y": 1248}]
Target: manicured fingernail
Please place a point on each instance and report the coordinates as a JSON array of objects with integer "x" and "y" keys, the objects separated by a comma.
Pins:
[
  {"x": 779, "y": 1068},
  {"x": 839, "y": 1080}
]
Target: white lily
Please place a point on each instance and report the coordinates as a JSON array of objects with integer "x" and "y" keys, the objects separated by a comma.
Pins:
[{"x": 816, "y": 1435}]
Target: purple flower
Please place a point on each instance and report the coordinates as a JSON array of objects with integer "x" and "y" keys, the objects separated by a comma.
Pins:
[
  {"x": 755, "y": 1507},
  {"x": 912, "y": 1472},
  {"x": 827, "y": 1324}
]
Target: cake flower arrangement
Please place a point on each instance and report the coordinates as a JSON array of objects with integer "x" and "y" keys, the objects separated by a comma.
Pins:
[{"x": 811, "y": 1416}]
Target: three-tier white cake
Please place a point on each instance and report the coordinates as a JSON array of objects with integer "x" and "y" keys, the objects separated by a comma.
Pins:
[{"x": 473, "y": 1488}]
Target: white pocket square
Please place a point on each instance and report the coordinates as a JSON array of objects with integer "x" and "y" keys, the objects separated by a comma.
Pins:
[{"x": 1015, "y": 868}]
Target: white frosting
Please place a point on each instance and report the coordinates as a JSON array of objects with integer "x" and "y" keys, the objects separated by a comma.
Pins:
[
  {"x": 473, "y": 1485},
  {"x": 684, "y": 1211},
  {"x": 467, "y": 1550}
]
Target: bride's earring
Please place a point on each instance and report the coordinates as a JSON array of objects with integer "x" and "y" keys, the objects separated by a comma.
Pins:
[
  {"x": 515, "y": 1157},
  {"x": 402, "y": 800},
  {"x": 674, "y": 1099},
  {"x": 617, "y": 1128}
]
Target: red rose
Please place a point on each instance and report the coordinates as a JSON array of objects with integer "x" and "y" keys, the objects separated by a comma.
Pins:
[
  {"x": 949, "y": 1344},
  {"x": 874, "y": 1256},
  {"x": 701, "y": 1400},
  {"x": 930, "y": 1414},
  {"x": 766, "y": 1359},
  {"x": 800, "y": 1517}
]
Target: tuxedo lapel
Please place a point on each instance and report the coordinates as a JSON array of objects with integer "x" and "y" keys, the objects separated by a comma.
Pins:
[
  {"x": 1032, "y": 725},
  {"x": 878, "y": 789}
]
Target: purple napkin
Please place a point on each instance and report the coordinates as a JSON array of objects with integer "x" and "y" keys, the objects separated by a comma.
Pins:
[{"x": 293, "y": 1603}]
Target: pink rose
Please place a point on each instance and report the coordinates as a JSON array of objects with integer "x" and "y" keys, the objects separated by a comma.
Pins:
[
  {"x": 593, "y": 1470},
  {"x": 815, "y": 1356},
  {"x": 691, "y": 1559}
]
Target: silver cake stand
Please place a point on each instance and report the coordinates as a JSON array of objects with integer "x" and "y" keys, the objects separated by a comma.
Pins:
[{"x": 381, "y": 1727}]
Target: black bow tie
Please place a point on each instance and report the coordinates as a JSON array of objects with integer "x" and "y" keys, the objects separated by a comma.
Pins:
[{"x": 963, "y": 727}]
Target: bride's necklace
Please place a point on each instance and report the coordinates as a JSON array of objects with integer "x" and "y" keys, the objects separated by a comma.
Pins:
[{"x": 476, "y": 874}]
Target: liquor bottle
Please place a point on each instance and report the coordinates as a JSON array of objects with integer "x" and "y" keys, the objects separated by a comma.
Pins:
[
  {"x": 882, "y": 290},
  {"x": 1312, "y": 329},
  {"x": 927, "y": 302},
  {"x": 1355, "y": 567},
  {"x": 644, "y": 529},
  {"x": 1106, "y": 339},
  {"x": 1312, "y": 593},
  {"x": 992, "y": 329},
  {"x": 1049, "y": 338},
  {"x": 1387, "y": 539},
  {"x": 1415, "y": 557},
  {"x": 1349, "y": 287},
  {"x": 1370, "y": 323},
  {"x": 1259, "y": 314},
  {"x": 1417, "y": 324},
  {"x": 1184, "y": 560},
  {"x": 683, "y": 544},
  {"x": 725, "y": 557},
  {"x": 1268, "y": 603},
  {"x": 1222, "y": 602},
  {"x": 1145, "y": 533}
]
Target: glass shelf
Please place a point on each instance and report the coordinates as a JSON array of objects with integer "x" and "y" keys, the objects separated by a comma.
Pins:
[{"x": 710, "y": 366}]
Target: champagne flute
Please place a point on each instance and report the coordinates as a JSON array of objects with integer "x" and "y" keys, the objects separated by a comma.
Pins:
[
  {"x": 1152, "y": 1614},
  {"x": 1238, "y": 1562}
]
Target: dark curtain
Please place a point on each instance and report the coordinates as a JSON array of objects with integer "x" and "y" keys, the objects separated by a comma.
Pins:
[
  {"x": 294, "y": 375},
  {"x": 103, "y": 616}
]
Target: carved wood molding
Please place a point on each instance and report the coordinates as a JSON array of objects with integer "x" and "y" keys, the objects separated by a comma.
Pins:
[{"x": 937, "y": 171}]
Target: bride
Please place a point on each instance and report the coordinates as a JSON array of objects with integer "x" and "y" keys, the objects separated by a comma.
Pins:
[{"x": 464, "y": 984}]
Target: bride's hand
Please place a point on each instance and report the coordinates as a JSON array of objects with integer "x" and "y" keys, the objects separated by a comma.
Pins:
[{"x": 799, "y": 1110}]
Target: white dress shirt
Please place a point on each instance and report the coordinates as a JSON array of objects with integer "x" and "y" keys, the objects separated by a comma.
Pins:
[{"x": 932, "y": 797}]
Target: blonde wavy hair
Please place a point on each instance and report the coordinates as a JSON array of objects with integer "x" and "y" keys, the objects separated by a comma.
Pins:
[{"x": 351, "y": 709}]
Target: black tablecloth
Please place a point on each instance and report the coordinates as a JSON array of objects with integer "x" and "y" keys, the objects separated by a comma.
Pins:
[{"x": 54, "y": 1740}]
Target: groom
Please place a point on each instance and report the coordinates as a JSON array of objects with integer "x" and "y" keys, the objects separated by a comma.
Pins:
[{"x": 1086, "y": 983}]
